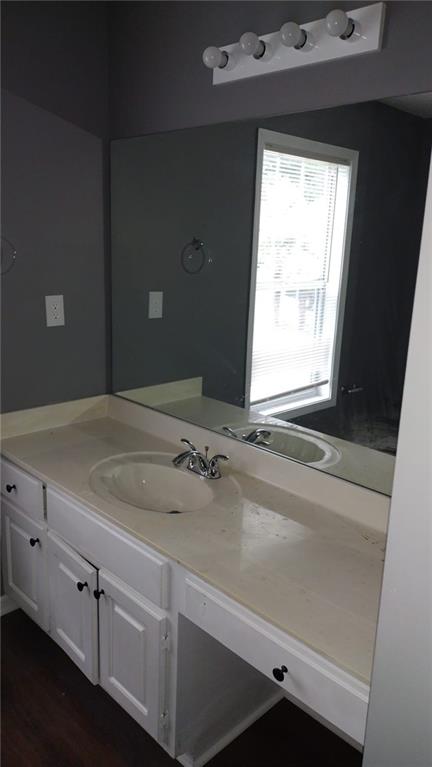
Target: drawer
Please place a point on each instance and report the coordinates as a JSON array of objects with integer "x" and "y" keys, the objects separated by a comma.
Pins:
[
  {"x": 23, "y": 490},
  {"x": 310, "y": 679},
  {"x": 106, "y": 546}
]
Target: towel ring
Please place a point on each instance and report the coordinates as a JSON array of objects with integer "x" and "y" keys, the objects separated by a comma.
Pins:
[
  {"x": 8, "y": 256},
  {"x": 193, "y": 256}
]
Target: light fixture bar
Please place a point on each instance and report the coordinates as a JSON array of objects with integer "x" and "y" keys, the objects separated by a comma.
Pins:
[{"x": 323, "y": 44}]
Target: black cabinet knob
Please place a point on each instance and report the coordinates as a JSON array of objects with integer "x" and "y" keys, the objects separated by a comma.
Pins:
[
  {"x": 10, "y": 488},
  {"x": 279, "y": 673},
  {"x": 33, "y": 541},
  {"x": 80, "y": 586},
  {"x": 97, "y": 593}
]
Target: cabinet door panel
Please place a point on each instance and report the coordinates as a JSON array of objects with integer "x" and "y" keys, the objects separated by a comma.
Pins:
[
  {"x": 24, "y": 565},
  {"x": 73, "y": 608},
  {"x": 132, "y": 658}
]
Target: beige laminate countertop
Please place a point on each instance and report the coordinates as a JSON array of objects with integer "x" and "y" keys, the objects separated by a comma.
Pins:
[{"x": 312, "y": 573}]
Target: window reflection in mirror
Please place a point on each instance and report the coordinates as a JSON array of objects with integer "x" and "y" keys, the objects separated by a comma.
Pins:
[
  {"x": 305, "y": 193},
  {"x": 298, "y": 320}
]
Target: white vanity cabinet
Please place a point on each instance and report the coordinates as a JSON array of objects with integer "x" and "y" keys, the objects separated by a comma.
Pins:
[
  {"x": 61, "y": 573},
  {"x": 125, "y": 650},
  {"x": 192, "y": 666},
  {"x": 107, "y": 592}
]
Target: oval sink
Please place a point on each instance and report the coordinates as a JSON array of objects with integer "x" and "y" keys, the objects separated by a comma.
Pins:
[
  {"x": 151, "y": 481},
  {"x": 294, "y": 443}
]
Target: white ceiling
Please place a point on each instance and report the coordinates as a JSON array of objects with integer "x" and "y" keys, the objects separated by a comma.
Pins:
[{"x": 419, "y": 104}]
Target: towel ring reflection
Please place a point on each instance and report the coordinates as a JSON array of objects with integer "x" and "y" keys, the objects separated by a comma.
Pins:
[
  {"x": 8, "y": 256},
  {"x": 193, "y": 256}
]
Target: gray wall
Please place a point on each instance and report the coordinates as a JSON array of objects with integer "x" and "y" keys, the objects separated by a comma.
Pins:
[
  {"x": 166, "y": 189},
  {"x": 55, "y": 54},
  {"x": 55, "y": 106},
  {"x": 52, "y": 212},
  {"x": 170, "y": 187},
  {"x": 159, "y": 83}
]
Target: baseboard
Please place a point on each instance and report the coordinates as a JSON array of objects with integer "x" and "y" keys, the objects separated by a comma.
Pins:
[
  {"x": 189, "y": 761},
  {"x": 7, "y": 605}
]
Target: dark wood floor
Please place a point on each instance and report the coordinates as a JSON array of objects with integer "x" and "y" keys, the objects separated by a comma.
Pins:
[{"x": 53, "y": 717}]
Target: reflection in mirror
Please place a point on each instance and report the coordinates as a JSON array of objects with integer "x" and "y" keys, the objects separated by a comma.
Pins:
[{"x": 292, "y": 334}]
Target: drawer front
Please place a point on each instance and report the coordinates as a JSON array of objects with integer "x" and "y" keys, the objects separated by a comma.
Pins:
[
  {"x": 106, "y": 546},
  {"x": 304, "y": 675},
  {"x": 23, "y": 490}
]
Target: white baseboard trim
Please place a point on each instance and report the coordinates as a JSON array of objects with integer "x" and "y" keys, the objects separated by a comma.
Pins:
[
  {"x": 7, "y": 605},
  {"x": 189, "y": 761}
]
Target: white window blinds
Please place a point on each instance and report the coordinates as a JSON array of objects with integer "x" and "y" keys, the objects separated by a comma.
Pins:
[{"x": 302, "y": 222}]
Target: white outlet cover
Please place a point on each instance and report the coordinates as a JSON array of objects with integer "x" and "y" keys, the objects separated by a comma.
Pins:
[
  {"x": 155, "y": 305},
  {"x": 54, "y": 311}
]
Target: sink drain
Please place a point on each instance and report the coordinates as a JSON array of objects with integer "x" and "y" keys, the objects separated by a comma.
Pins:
[{"x": 174, "y": 511}]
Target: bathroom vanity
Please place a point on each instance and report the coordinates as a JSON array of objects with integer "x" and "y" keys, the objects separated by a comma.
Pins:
[{"x": 198, "y": 622}]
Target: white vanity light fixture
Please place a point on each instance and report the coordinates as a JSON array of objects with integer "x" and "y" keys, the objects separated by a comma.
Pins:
[
  {"x": 322, "y": 40},
  {"x": 339, "y": 24},
  {"x": 293, "y": 36}
]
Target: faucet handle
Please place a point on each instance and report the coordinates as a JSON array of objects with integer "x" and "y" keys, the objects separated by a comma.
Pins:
[
  {"x": 231, "y": 432},
  {"x": 189, "y": 443},
  {"x": 214, "y": 471}
]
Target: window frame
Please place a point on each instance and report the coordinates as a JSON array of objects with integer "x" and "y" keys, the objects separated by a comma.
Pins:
[{"x": 268, "y": 139}]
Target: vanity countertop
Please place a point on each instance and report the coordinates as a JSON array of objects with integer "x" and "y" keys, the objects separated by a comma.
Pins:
[{"x": 307, "y": 570}]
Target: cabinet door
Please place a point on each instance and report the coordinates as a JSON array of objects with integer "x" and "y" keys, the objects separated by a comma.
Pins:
[
  {"x": 24, "y": 563},
  {"x": 73, "y": 607},
  {"x": 132, "y": 637}
]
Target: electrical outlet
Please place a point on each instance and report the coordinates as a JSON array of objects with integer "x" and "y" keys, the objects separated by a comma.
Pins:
[
  {"x": 155, "y": 304},
  {"x": 54, "y": 311}
]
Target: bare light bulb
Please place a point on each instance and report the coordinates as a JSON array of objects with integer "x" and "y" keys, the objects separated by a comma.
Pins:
[
  {"x": 251, "y": 45},
  {"x": 338, "y": 24},
  {"x": 292, "y": 35},
  {"x": 214, "y": 58}
]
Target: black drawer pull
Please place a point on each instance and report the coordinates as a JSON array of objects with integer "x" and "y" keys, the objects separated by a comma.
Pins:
[
  {"x": 97, "y": 593},
  {"x": 279, "y": 673},
  {"x": 10, "y": 488},
  {"x": 33, "y": 541},
  {"x": 81, "y": 586}
]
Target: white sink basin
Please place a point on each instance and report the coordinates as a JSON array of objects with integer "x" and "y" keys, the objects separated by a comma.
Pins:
[
  {"x": 294, "y": 443},
  {"x": 151, "y": 481}
]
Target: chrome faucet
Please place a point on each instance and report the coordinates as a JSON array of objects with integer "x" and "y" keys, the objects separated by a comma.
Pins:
[
  {"x": 230, "y": 431},
  {"x": 256, "y": 437},
  {"x": 198, "y": 463}
]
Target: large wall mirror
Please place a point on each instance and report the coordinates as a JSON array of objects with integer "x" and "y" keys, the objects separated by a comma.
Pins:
[{"x": 263, "y": 278}]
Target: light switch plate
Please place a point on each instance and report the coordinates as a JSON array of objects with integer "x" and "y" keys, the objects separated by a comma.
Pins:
[
  {"x": 54, "y": 311},
  {"x": 155, "y": 305}
]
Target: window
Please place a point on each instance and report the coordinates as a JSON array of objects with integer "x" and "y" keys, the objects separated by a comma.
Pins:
[{"x": 304, "y": 203}]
